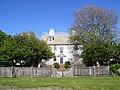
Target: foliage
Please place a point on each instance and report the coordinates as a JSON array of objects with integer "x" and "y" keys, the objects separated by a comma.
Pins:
[
  {"x": 3, "y": 39},
  {"x": 25, "y": 49},
  {"x": 67, "y": 64},
  {"x": 96, "y": 29},
  {"x": 56, "y": 65},
  {"x": 76, "y": 83},
  {"x": 101, "y": 53},
  {"x": 5, "y": 63},
  {"x": 81, "y": 65},
  {"x": 114, "y": 69},
  {"x": 116, "y": 54},
  {"x": 3, "y": 36},
  {"x": 94, "y": 24}
]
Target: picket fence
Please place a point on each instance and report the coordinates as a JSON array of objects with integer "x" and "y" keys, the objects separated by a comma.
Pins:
[{"x": 51, "y": 72}]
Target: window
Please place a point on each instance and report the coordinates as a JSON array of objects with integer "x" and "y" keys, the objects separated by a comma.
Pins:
[
  {"x": 61, "y": 60},
  {"x": 50, "y": 38},
  {"x": 55, "y": 48},
  {"x": 61, "y": 49}
]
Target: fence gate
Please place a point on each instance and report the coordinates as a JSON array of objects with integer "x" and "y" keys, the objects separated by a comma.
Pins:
[{"x": 62, "y": 72}]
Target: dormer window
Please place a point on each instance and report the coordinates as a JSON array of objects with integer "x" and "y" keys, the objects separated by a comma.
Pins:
[{"x": 50, "y": 38}]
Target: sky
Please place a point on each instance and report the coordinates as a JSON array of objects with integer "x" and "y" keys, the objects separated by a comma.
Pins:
[{"x": 39, "y": 16}]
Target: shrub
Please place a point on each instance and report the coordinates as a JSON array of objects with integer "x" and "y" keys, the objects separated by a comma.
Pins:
[
  {"x": 114, "y": 69},
  {"x": 82, "y": 65},
  {"x": 56, "y": 65},
  {"x": 67, "y": 64},
  {"x": 5, "y": 63}
]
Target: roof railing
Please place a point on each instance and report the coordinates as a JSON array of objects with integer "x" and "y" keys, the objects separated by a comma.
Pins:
[{"x": 56, "y": 34}]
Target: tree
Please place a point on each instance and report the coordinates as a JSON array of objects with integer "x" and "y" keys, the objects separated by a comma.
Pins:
[
  {"x": 94, "y": 24},
  {"x": 104, "y": 54},
  {"x": 114, "y": 69},
  {"x": 25, "y": 49},
  {"x": 94, "y": 54},
  {"x": 4, "y": 50},
  {"x": 95, "y": 28},
  {"x": 3, "y": 36},
  {"x": 115, "y": 59}
]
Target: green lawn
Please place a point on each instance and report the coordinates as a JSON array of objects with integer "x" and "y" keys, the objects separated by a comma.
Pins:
[{"x": 77, "y": 83}]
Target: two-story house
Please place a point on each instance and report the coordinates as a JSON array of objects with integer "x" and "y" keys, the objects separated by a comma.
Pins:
[{"x": 60, "y": 45}]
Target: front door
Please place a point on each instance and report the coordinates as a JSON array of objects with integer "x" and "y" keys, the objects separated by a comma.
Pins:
[{"x": 61, "y": 60}]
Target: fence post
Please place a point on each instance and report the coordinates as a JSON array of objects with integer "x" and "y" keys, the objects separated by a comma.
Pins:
[
  {"x": 51, "y": 71},
  {"x": 90, "y": 71},
  {"x": 108, "y": 74},
  {"x": 73, "y": 70},
  {"x": 94, "y": 72},
  {"x": 31, "y": 71},
  {"x": 13, "y": 71},
  {"x": 62, "y": 73}
]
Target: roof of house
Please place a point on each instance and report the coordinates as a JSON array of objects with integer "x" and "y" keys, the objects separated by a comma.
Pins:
[
  {"x": 58, "y": 39},
  {"x": 53, "y": 37}
]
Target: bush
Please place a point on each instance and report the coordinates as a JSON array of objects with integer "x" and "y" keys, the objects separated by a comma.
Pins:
[
  {"x": 114, "y": 69},
  {"x": 67, "y": 64},
  {"x": 5, "y": 63},
  {"x": 56, "y": 65},
  {"x": 82, "y": 65}
]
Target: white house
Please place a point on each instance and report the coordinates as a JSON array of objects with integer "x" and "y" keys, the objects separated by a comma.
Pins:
[{"x": 60, "y": 45}]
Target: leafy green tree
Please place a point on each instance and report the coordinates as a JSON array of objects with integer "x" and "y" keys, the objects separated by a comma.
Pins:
[
  {"x": 3, "y": 36},
  {"x": 115, "y": 54},
  {"x": 25, "y": 49},
  {"x": 104, "y": 54},
  {"x": 114, "y": 69},
  {"x": 95, "y": 53}
]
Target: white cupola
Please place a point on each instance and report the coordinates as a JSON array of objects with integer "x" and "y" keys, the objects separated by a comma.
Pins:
[{"x": 51, "y": 32}]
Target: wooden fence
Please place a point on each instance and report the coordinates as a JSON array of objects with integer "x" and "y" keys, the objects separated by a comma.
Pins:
[
  {"x": 62, "y": 73},
  {"x": 25, "y": 72},
  {"x": 51, "y": 72},
  {"x": 6, "y": 72},
  {"x": 91, "y": 71}
]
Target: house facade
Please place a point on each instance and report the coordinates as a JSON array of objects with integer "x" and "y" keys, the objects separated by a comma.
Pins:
[{"x": 60, "y": 46}]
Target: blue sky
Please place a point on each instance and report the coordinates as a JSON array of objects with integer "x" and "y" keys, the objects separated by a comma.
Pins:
[{"x": 39, "y": 16}]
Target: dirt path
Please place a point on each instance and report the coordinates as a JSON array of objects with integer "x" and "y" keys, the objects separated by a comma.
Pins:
[{"x": 41, "y": 88}]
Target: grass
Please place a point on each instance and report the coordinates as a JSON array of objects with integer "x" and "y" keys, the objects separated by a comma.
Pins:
[{"x": 77, "y": 83}]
